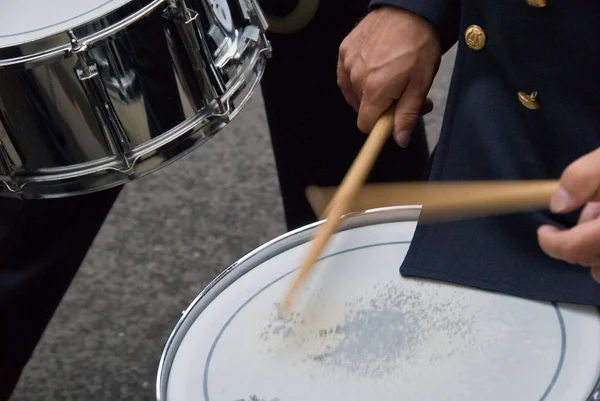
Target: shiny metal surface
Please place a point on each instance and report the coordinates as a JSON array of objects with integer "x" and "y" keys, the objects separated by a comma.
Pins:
[
  {"x": 111, "y": 101},
  {"x": 255, "y": 258}
]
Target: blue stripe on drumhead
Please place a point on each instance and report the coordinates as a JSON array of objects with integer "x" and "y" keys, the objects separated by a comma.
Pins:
[
  {"x": 563, "y": 333},
  {"x": 597, "y": 385},
  {"x": 228, "y": 322}
]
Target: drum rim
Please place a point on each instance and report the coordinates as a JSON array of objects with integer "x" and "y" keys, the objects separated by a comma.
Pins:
[
  {"x": 39, "y": 50},
  {"x": 278, "y": 245}
]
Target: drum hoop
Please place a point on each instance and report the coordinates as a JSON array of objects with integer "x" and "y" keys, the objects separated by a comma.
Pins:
[
  {"x": 276, "y": 246},
  {"x": 38, "y": 50}
]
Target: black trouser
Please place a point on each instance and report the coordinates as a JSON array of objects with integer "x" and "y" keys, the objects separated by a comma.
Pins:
[{"x": 43, "y": 242}]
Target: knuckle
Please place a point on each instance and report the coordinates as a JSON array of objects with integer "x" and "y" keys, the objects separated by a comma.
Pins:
[
  {"x": 343, "y": 48},
  {"x": 411, "y": 114},
  {"x": 350, "y": 66},
  {"x": 356, "y": 76},
  {"x": 372, "y": 84},
  {"x": 409, "y": 117}
]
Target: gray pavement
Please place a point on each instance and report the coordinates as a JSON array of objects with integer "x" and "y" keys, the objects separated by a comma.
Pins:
[{"x": 168, "y": 235}]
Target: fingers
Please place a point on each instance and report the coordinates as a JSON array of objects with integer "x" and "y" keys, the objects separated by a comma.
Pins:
[
  {"x": 374, "y": 101},
  {"x": 591, "y": 211},
  {"x": 578, "y": 245},
  {"x": 379, "y": 60},
  {"x": 345, "y": 85},
  {"x": 578, "y": 184},
  {"x": 408, "y": 111}
]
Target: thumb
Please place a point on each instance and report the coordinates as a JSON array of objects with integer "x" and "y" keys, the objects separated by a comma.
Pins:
[
  {"x": 407, "y": 113},
  {"x": 579, "y": 184}
]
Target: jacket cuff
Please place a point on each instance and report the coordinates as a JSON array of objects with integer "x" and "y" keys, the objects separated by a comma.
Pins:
[{"x": 444, "y": 15}]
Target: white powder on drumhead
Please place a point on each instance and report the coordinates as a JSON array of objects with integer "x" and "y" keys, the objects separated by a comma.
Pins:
[
  {"x": 255, "y": 398},
  {"x": 392, "y": 330},
  {"x": 395, "y": 330},
  {"x": 285, "y": 326}
]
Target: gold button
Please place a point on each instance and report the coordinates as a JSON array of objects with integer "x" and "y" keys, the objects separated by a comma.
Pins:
[
  {"x": 537, "y": 3},
  {"x": 529, "y": 101},
  {"x": 475, "y": 37}
]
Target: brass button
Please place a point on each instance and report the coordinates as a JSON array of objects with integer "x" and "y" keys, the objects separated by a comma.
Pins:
[
  {"x": 529, "y": 101},
  {"x": 537, "y": 3},
  {"x": 475, "y": 37}
]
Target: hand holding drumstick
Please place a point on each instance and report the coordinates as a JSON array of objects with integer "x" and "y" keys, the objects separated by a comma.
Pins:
[
  {"x": 578, "y": 187},
  {"x": 378, "y": 72}
]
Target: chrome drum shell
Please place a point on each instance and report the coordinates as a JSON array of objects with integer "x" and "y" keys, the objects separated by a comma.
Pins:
[{"x": 105, "y": 103}]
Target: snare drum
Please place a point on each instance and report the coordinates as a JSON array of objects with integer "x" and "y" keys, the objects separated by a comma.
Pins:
[
  {"x": 95, "y": 93},
  {"x": 360, "y": 331}
]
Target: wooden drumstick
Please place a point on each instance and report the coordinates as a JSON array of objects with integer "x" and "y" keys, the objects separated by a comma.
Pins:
[
  {"x": 344, "y": 195},
  {"x": 448, "y": 200}
]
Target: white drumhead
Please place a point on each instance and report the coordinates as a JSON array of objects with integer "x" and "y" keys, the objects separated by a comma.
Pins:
[
  {"x": 360, "y": 331},
  {"x": 24, "y": 21}
]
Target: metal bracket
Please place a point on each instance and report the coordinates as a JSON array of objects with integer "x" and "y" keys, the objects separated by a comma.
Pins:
[
  {"x": 91, "y": 81},
  {"x": 12, "y": 187},
  {"x": 190, "y": 31}
]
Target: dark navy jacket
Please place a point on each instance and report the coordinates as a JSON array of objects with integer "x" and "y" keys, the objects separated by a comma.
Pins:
[{"x": 489, "y": 134}]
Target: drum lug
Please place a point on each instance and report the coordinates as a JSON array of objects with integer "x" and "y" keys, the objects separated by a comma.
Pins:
[
  {"x": 257, "y": 18},
  {"x": 251, "y": 37},
  {"x": 190, "y": 32},
  {"x": 87, "y": 73}
]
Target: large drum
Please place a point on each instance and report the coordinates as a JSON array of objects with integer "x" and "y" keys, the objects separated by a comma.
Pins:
[
  {"x": 94, "y": 93},
  {"x": 360, "y": 331}
]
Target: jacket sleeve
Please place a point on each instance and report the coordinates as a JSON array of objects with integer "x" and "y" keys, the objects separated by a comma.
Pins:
[{"x": 444, "y": 15}]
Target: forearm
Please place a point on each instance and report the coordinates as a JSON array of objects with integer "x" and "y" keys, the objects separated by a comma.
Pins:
[{"x": 444, "y": 15}]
